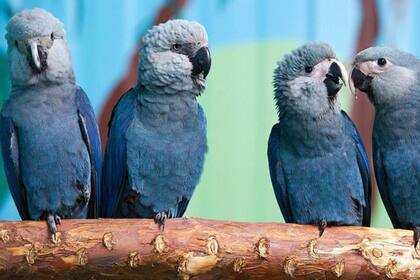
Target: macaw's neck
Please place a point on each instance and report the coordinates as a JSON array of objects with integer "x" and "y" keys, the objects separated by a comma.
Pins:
[
  {"x": 398, "y": 122},
  {"x": 161, "y": 110},
  {"x": 312, "y": 136},
  {"x": 43, "y": 87},
  {"x": 40, "y": 83}
]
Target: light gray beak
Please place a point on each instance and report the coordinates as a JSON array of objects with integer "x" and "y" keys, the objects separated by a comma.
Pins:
[{"x": 33, "y": 57}]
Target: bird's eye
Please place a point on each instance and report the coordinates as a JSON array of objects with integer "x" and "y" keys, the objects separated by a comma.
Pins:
[
  {"x": 381, "y": 61},
  {"x": 176, "y": 47},
  {"x": 308, "y": 69},
  {"x": 52, "y": 36}
]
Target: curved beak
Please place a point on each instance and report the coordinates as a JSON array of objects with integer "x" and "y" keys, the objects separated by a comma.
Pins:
[
  {"x": 361, "y": 81},
  {"x": 201, "y": 62},
  {"x": 37, "y": 57},
  {"x": 33, "y": 57},
  {"x": 335, "y": 78}
]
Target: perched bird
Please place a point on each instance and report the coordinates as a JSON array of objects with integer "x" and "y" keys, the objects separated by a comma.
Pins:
[
  {"x": 391, "y": 80},
  {"x": 157, "y": 137},
  {"x": 49, "y": 137},
  {"x": 318, "y": 164}
]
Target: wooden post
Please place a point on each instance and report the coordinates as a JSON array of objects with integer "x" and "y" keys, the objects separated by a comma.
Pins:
[{"x": 202, "y": 249}]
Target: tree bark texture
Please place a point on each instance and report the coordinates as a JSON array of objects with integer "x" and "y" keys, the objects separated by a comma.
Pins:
[{"x": 190, "y": 248}]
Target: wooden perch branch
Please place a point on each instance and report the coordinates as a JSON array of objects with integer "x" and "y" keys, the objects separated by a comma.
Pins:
[{"x": 203, "y": 249}]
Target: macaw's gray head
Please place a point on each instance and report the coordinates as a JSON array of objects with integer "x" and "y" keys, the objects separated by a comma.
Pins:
[
  {"x": 174, "y": 58},
  {"x": 36, "y": 49},
  {"x": 385, "y": 74},
  {"x": 308, "y": 80}
]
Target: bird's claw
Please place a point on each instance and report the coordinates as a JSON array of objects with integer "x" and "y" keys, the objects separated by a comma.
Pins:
[
  {"x": 53, "y": 221},
  {"x": 57, "y": 219},
  {"x": 160, "y": 219},
  {"x": 52, "y": 227},
  {"x": 321, "y": 226}
]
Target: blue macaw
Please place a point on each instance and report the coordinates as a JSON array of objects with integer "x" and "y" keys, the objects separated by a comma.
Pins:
[
  {"x": 49, "y": 136},
  {"x": 318, "y": 164},
  {"x": 157, "y": 138},
  {"x": 391, "y": 80}
]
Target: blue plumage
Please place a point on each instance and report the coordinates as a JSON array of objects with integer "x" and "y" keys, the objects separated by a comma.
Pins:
[
  {"x": 318, "y": 164},
  {"x": 91, "y": 138},
  {"x": 311, "y": 188},
  {"x": 155, "y": 166},
  {"x": 50, "y": 165},
  {"x": 115, "y": 162},
  {"x": 391, "y": 78},
  {"x": 10, "y": 152},
  {"x": 49, "y": 137},
  {"x": 157, "y": 138}
]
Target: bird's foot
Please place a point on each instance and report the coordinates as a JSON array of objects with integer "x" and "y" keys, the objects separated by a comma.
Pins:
[
  {"x": 322, "y": 224},
  {"x": 57, "y": 219},
  {"x": 160, "y": 219},
  {"x": 416, "y": 236},
  {"x": 52, "y": 221}
]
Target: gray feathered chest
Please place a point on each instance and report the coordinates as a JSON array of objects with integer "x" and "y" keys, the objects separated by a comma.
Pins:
[
  {"x": 318, "y": 168},
  {"x": 53, "y": 158},
  {"x": 397, "y": 124},
  {"x": 166, "y": 144},
  {"x": 43, "y": 108}
]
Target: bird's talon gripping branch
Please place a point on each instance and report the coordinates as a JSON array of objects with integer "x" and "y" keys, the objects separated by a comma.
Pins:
[
  {"x": 322, "y": 226},
  {"x": 57, "y": 219},
  {"x": 160, "y": 219},
  {"x": 52, "y": 226}
]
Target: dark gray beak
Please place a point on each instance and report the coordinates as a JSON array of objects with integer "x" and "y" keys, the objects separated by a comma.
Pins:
[
  {"x": 334, "y": 80},
  {"x": 201, "y": 62},
  {"x": 361, "y": 81}
]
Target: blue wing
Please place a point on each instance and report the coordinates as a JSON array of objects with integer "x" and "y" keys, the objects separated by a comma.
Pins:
[
  {"x": 382, "y": 182},
  {"x": 115, "y": 166},
  {"x": 276, "y": 173},
  {"x": 10, "y": 152},
  {"x": 90, "y": 134},
  {"x": 363, "y": 163}
]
